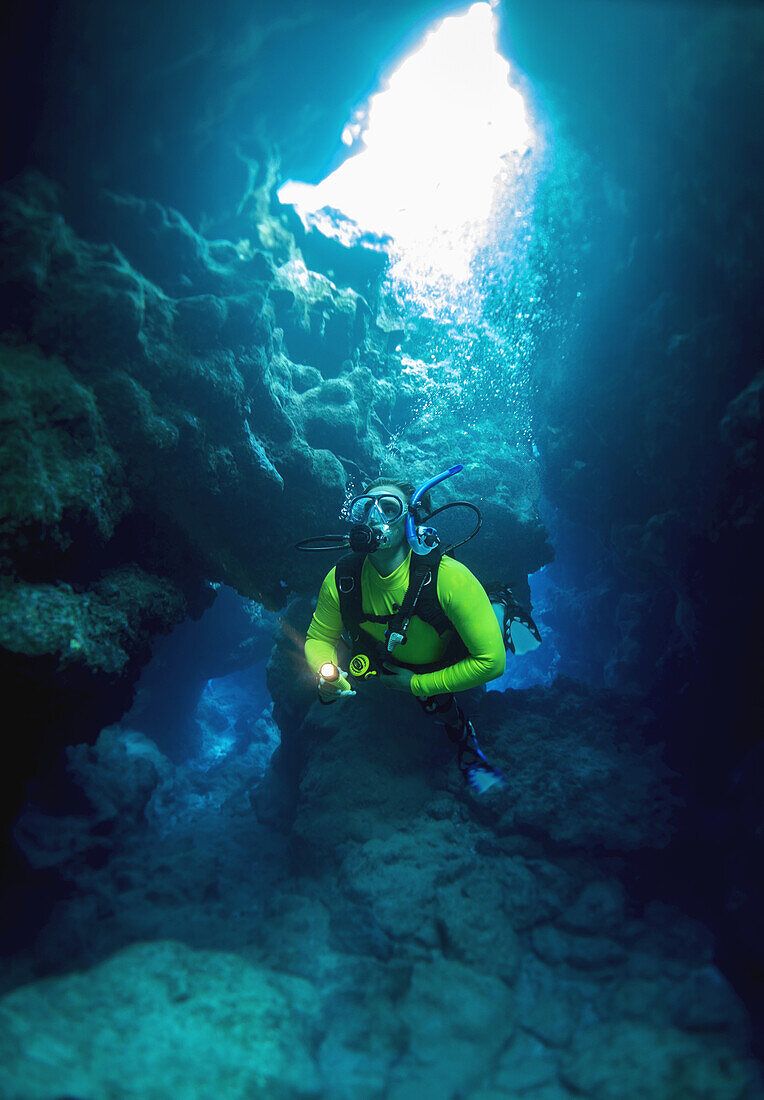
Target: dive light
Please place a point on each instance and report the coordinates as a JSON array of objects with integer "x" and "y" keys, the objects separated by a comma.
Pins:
[{"x": 329, "y": 673}]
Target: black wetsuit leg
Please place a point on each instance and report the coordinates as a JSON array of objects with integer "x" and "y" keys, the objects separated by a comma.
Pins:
[{"x": 445, "y": 711}]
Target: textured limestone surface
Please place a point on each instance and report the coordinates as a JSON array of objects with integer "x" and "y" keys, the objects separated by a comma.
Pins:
[
  {"x": 173, "y": 1021},
  {"x": 394, "y": 937}
]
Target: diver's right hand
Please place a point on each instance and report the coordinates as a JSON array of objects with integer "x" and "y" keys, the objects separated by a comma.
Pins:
[{"x": 331, "y": 690}]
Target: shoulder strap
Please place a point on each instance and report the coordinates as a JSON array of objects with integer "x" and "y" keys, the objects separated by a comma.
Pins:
[
  {"x": 428, "y": 606},
  {"x": 421, "y": 597},
  {"x": 347, "y": 577}
]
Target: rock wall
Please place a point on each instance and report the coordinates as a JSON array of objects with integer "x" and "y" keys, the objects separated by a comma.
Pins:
[
  {"x": 132, "y": 443},
  {"x": 646, "y": 405}
]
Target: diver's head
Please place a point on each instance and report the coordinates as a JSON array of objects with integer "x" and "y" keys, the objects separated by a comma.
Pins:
[
  {"x": 379, "y": 516},
  {"x": 389, "y": 514}
]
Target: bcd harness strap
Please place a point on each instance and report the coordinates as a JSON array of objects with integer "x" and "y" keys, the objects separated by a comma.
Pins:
[{"x": 421, "y": 598}]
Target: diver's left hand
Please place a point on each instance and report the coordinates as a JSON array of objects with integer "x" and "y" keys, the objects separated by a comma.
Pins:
[{"x": 397, "y": 678}]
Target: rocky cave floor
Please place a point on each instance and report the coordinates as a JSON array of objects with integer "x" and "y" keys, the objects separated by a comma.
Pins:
[{"x": 357, "y": 924}]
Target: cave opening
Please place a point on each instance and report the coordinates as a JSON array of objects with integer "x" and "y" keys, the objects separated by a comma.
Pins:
[
  {"x": 428, "y": 152},
  {"x": 203, "y": 696}
]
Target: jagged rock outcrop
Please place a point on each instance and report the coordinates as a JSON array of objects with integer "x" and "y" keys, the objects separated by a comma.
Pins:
[
  {"x": 582, "y": 774},
  {"x": 742, "y": 429},
  {"x": 139, "y": 430}
]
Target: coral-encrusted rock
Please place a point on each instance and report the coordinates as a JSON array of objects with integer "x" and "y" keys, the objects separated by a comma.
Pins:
[
  {"x": 655, "y": 1061},
  {"x": 157, "y": 1018},
  {"x": 322, "y": 326},
  {"x": 458, "y": 1021},
  {"x": 599, "y": 907},
  {"x": 578, "y": 775},
  {"x": 585, "y": 952},
  {"x": 70, "y": 657},
  {"x": 149, "y": 444},
  {"x": 62, "y": 490},
  {"x": 192, "y": 393},
  {"x": 100, "y": 630},
  {"x": 474, "y": 927},
  {"x": 362, "y": 778},
  {"x": 444, "y": 953},
  {"x": 741, "y": 427},
  {"x": 397, "y": 877},
  {"x": 336, "y": 417},
  {"x": 164, "y": 247},
  {"x": 118, "y": 776},
  {"x": 526, "y": 1064}
]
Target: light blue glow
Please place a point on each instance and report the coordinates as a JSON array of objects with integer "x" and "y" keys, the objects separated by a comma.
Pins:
[{"x": 436, "y": 143}]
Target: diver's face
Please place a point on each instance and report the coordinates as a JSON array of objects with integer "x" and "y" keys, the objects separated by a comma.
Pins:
[{"x": 395, "y": 530}]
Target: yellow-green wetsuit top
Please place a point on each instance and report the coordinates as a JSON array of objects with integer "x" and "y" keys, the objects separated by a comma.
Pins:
[{"x": 462, "y": 597}]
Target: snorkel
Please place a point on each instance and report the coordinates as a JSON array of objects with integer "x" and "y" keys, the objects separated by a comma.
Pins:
[{"x": 424, "y": 539}]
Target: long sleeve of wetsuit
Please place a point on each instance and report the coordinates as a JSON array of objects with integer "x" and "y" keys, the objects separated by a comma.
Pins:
[
  {"x": 466, "y": 603},
  {"x": 325, "y": 626}
]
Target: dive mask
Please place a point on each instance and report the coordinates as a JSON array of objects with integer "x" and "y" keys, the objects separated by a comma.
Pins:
[{"x": 372, "y": 508}]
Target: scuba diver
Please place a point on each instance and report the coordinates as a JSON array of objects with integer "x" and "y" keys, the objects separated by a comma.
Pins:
[{"x": 414, "y": 618}]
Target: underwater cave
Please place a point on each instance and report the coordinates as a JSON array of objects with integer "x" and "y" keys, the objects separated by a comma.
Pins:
[{"x": 463, "y": 299}]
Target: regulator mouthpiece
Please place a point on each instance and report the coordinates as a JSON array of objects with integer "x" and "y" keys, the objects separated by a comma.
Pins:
[{"x": 365, "y": 539}]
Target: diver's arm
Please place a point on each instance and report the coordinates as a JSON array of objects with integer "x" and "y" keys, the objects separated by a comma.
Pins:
[
  {"x": 465, "y": 601},
  {"x": 324, "y": 632},
  {"x": 325, "y": 626}
]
